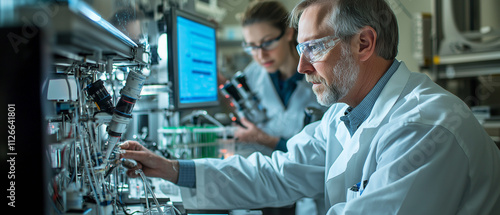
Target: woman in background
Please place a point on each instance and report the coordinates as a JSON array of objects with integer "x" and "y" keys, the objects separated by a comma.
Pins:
[{"x": 273, "y": 76}]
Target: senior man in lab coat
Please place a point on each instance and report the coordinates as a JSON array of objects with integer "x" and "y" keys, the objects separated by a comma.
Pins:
[{"x": 392, "y": 141}]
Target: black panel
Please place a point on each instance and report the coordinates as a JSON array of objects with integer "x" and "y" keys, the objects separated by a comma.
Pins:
[{"x": 22, "y": 63}]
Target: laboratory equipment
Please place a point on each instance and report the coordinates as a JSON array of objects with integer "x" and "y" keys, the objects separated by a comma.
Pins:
[
  {"x": 123, "y": 111},
  {"x": 246, "y": 102},
  {"x": 466, "y": 53},
  {"x": 100, "y": 96},
  {"x": 466, "y": 27},
  {"x": 72, "y": 83},
  {"x": 68, "y": 65},
  {"x": 188, "y": 142}
]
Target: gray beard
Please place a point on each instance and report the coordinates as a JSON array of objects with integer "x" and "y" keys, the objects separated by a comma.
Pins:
[{"x": 345, "y": 72}]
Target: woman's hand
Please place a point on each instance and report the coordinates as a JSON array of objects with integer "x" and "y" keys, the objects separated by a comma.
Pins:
[{"x": 253, "y": 134}]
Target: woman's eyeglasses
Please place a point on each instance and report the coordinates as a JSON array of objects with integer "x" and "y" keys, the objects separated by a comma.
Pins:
[{"x": 266, "y": 45}]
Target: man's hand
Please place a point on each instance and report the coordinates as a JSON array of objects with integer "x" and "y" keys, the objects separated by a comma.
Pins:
[
  {"x": 253, "y": 134},
  {"x": 151, "y": 164}
]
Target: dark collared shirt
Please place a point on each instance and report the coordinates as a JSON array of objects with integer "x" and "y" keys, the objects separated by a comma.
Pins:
[{"x": 286, "y": 87}]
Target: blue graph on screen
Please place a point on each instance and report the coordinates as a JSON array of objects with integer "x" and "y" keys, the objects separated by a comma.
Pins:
[{"x": 196, "y": 61}]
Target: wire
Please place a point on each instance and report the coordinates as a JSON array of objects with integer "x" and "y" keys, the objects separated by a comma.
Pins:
[
  {"x": 176, "y": 210},
  {"x": 72, "y": 152},
  {"x": 98, "y": 202},
  {"x": 55, "y": 207},
  {"x": 70, "y": 132},
  {"x": 123, "y": 207},
  {"x": 69, "y": 89},
  {"x": 67, "y": 81},
  {"x": 146, "y": 188}
]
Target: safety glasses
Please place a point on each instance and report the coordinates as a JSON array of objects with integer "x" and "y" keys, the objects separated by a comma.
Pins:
[
  {"x": 314, "y": 50},
  {"x": 266, "y": 45}
]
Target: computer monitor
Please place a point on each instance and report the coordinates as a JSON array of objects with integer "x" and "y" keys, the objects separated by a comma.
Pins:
[{"x": 192, "y": 60}]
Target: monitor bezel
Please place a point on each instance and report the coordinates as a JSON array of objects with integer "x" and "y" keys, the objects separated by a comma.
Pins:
[{"x": 173, "y": 72}]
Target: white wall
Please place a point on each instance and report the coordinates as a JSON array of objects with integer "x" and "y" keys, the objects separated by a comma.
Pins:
[{"x": 405, "y": 27}]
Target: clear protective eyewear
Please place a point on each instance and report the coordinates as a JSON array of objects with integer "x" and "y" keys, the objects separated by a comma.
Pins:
[
  {"x": 266, "y": 45},
  {"x": 314, "y": 50}
]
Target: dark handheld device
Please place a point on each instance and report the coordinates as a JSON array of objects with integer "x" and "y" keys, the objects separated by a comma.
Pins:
[{"x": 246, "y": 101}]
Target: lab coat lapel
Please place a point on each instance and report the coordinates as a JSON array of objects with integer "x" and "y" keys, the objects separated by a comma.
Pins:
[
  {"x": 388, "y": 97},
  {"x": 339, "y": 177},
  {"x": 345, "y": 171}
]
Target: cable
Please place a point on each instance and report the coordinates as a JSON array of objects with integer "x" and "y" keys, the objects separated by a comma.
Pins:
[
  {"x": 67, "y": 81},
  {"x": 120, "y": 193},
  {"x": 176, "y": 210},
  {"x": 69, "y": 89},
  {"x": 55, "y": 207},
  {"x": 98, "y": 202},
  {"x": 146, "y": 185},
  {"x": 74, "y": 174}
]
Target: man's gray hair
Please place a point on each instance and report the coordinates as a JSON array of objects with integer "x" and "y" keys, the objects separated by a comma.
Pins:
[{"x": 347, "y": 17}]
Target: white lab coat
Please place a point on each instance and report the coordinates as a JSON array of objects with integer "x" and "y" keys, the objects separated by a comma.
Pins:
[
  {"x": 283, "y": 122},
  {"x": 421, "y": 150}
]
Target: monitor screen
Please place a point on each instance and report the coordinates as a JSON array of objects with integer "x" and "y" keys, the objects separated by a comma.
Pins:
[{"x": 192, "y": 60}]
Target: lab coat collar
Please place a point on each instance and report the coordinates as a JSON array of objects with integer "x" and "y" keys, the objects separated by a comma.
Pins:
[
  {"x": 388, "y": 96},
  {"x": 384, "y": 103}
]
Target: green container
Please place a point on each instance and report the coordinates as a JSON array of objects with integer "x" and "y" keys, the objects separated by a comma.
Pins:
[{"x": 193, "y": 141}]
